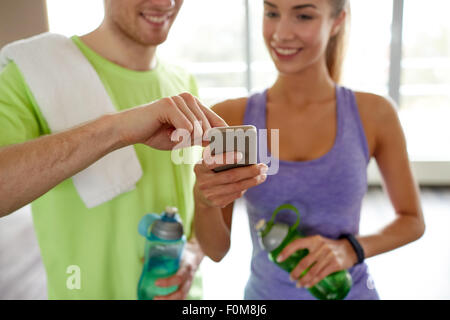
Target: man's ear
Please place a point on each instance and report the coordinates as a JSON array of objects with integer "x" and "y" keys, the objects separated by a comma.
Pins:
[{"x": 338, "y": 23}]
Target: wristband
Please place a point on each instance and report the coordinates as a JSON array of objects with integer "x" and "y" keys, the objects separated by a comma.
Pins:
[{"x": 356, "y": 246}]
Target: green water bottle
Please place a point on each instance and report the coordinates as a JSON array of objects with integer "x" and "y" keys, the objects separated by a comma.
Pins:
[{"x": 274, "y": 237}]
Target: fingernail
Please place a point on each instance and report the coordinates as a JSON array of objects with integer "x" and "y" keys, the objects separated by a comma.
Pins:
[
  {"x": 279, "y": 259},
  {"x": 263, "y": 170},
  {"x": 239, "y": 156},
  {"x": 298, "y": 285}
]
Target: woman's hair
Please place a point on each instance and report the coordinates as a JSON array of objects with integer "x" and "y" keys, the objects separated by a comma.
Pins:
[{"x": 336, "y": 48}]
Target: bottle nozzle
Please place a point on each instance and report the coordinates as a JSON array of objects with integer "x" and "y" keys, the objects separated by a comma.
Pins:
[
  {"x": 260, "y": 225},
  {"x": 171, "y": 211}
]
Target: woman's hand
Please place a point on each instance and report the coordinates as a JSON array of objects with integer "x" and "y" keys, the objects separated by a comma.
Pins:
[
  {"x": 222, "y": 188},
  {"x": 190, "y": 261},
  {"x": 325, "y": 257}
]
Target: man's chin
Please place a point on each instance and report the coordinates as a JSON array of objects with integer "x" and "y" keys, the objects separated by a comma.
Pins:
[{"x": 153, "y": 41}]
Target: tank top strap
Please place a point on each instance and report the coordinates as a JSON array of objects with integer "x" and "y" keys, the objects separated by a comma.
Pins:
[
  {"x": 255, "y": 110},
  {"x": 352, "y": 126}
]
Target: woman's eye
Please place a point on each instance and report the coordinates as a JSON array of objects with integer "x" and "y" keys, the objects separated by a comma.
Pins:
[
  {"x": 304, "y": 17},
  {"x": 270, "y": 14}
]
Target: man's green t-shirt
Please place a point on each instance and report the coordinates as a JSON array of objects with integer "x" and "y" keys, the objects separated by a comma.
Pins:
[{"x": 103, "y": 242}]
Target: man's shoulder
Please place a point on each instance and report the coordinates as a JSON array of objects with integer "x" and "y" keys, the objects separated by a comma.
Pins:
[
  {"x": 174, "y": 69},
  {"x": 10, "y": 72},
  {"x": 12, "y": 82},
  {"x": 177, "y": 77}
]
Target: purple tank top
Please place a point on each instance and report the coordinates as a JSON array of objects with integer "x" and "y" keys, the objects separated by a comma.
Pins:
[{"x": 328, "y": 192}]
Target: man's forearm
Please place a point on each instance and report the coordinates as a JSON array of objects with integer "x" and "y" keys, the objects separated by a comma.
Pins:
[{"x": 30, "y": 169}]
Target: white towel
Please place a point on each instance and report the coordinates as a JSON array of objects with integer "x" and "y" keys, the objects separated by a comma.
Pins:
[{"x": 69, "y": 92}]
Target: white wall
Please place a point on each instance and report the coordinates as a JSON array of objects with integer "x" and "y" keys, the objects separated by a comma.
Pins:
[{"x": 21, "y": 19}]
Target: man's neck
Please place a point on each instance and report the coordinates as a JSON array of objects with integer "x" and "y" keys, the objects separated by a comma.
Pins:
[{"x": 120, "y": 49}]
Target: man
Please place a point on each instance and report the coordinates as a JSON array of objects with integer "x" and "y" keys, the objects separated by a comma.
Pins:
[{"x": 36, "y": 165}]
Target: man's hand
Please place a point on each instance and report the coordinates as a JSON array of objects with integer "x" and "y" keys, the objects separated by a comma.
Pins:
[
  {"x": 153, "y": 124},
  {"x": 190, "y": 261},
  {"x": 30, "y": 169}
]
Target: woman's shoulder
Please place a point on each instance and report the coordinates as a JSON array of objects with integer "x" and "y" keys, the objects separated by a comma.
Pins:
[
  {"x": 375, "y": 107},
  {"x": 376, "y": 113},
  {"x": 232, "y": 111}
]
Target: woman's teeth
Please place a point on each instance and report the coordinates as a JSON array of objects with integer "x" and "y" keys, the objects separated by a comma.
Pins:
[{"x": 286, "y": 52}]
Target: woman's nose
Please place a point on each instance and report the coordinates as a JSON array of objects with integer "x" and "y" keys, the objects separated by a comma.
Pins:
[
  {"x": 284, "y": 31},
  {"x": 163, "y": 4}
]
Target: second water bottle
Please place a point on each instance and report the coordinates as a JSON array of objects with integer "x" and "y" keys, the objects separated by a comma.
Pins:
[
  {"x": 274, "y": 237},
  {"x": 163, "y": 248}
]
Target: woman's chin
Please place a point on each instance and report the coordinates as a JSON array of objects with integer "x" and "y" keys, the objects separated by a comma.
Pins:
[{"x": 288, "y": 70}]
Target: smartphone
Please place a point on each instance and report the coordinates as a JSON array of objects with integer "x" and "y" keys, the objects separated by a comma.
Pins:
[{"x": 234, "y": 139}]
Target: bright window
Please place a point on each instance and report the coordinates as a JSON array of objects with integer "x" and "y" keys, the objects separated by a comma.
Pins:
[
  {"x": 425, "y": 86},
  {"x": 74, "y": 17},
  {"x": 209, "y": 39},
  {"x": 366, "y": 65}
]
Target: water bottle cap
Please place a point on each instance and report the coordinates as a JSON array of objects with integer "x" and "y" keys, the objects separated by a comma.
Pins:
[
  {"x": 168, "y": 227},
  {"x": 272, "y": 238}
]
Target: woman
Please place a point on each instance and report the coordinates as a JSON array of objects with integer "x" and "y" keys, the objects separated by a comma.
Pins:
[{"x": 328, "y": 134}]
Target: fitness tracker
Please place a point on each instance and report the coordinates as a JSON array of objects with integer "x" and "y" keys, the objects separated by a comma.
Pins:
[{"x": 356, "y": 246}]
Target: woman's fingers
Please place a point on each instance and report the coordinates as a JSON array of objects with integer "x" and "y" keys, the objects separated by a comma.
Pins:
[
  {"x": 322, "y": 257},
  {"x": 298, "y": 244},
  {"x": 326, "y": 271},
  {"x": 223, "y": 201},
  {"x": 211, "y": 193},
  {"x": 214, "y": 161},
  {"x": 304, "y": 264},
  {"x": 221, "y": 188},
  {"x": 318, "y": 255},
  {"x": 235, "y": 175},
  {"x": 319, "y": 263}
]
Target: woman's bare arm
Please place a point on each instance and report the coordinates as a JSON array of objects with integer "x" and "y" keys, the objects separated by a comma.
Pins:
[
  {"x": 215, "y": 193},
  {"x": 391, "y": 155}
]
